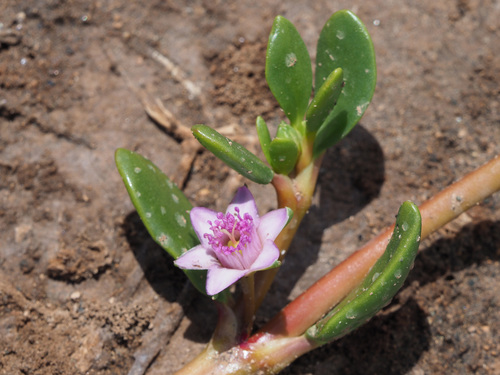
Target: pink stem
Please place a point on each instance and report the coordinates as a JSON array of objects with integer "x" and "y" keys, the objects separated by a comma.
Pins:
[
  {"x": 263, "y": 356},
  {"x": 297, "y": 195}
]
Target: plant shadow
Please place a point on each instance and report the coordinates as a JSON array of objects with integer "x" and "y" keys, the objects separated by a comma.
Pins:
[
  {"x": 388, "y": 344},
  {"x": 167, "y": 280},
  {"x": 473, "y": 245},
  {"x": 157, "y": 265}
]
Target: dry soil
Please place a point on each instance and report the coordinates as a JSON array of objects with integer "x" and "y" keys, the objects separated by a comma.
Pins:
[{"x": 84, "y": 290}]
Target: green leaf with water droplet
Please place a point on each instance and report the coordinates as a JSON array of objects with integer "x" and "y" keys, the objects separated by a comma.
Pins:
[
  {"x": 324, "y": 101},
  {"x": 162, "y": 206},
  {"x": 345, "y": 43},
  {"x": 233, "y": 154},
  {"x": 380, "y": 285},
  {"x": 288, "y": 69}
]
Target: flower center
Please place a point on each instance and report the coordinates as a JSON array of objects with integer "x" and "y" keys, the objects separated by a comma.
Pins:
[{"x": 231, "y": 232}]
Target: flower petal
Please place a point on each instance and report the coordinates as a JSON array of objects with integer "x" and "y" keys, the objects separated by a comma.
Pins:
[
  {"x": 198, "y": 258},
  {"x": 270, "y": 254},
  {"x": 245, "y": 202},
  {"x": 219, "y": 278},
  {"x": 200, "y": 216},
  {"x": 272, "y": 223}
]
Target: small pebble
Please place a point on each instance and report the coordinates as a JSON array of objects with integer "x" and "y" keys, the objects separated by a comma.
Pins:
[{"x": 75, "y": 296}]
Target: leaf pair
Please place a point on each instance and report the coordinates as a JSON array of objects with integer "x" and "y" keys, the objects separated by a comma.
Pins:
[
  {"x": 344, "y": 82},
  {"x": 283, "y": 151}
]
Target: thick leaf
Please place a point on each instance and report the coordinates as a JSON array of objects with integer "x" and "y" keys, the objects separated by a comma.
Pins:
[
  {"x": 285, "y": 131},
  {"x": 345, "y": 43},
  {"x": 284, "y": 154},
  {"x": 288, "y": 69},
  {"x": 233, "y": 154},
  {"x": 380, "y": 285},
  {"x": 162, "y": 206},
  {"x": 264, "y": 137},
  {"x": 324, "y": 101}
]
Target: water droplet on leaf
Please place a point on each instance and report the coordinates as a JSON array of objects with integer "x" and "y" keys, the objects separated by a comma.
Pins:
[
  {"x": 181, "y": 220},
  {"x": 290, "y": 59},
  {"x": 351, "y": 315}
]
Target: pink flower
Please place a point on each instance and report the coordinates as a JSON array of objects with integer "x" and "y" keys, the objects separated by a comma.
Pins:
[{"x": 233, "y": 244}]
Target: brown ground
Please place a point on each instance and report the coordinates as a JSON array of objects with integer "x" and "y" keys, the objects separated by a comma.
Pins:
[{"x": 83, "y": 290}]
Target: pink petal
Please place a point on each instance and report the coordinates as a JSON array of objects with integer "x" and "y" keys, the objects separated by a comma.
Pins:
[
  {"x": 270, "y": 254},
  {"x": 198, "y": 258},
  {"x": 219, "y": 278},
  {"x": 245, "y": 202},
  {"x": 233, "y": 260},
  {"x": 272, "y": 223},
  {"x": 200, "y": 217}
]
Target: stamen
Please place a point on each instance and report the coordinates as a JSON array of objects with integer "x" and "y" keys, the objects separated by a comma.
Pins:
[{"x": 231, "y": 232}]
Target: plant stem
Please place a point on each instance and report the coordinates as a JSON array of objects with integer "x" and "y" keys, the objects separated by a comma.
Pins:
[
  {"x": 311, "y": 305},
  {"x": 248, "y": 289},
  {"x": 306, "y": 154},
  {"x": 459, "y": 197},
  {"x": 262, "y": 356},
  {"x": 227, "y": 331},
  {"x": 297, "y": 195}
]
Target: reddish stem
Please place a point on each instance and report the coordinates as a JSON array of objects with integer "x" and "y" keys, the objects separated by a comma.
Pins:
[{"x": 297, "y": 195}]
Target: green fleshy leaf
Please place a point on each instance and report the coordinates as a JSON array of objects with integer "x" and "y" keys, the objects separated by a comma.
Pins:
[
  {"x": 264, "y": 137},
  {"x": 163, "y": 208},
  {"x": 284, "y": 154},
  {"x": 380, "y": 285},
  {"x": 288, "y": 69},
  {"x": 285, "y": 131},
  {"x": 284, "y": 150},
  {"x": 345, "y": 43},
  {"x": 324, "y": 101},
  {"x": 233, "y": 154}
]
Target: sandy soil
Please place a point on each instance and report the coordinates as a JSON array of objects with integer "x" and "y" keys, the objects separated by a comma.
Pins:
[{"x": 83, "y": 290}]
